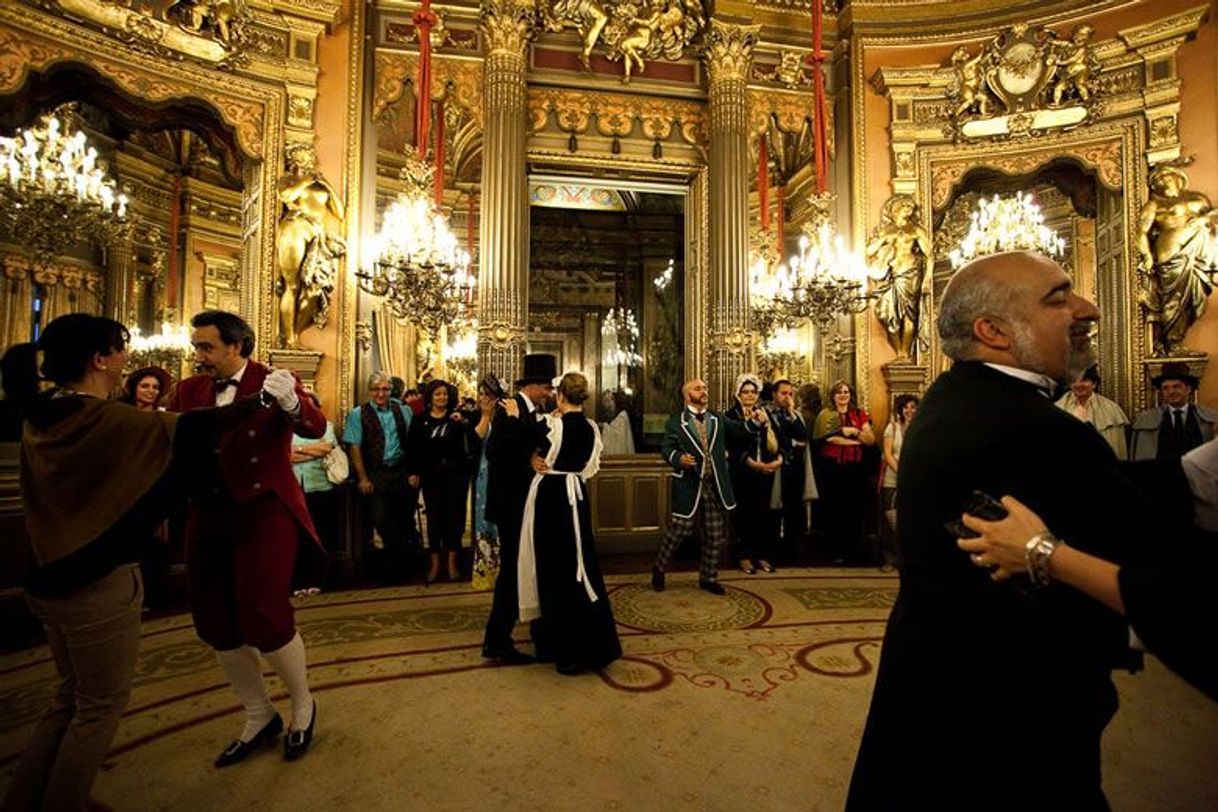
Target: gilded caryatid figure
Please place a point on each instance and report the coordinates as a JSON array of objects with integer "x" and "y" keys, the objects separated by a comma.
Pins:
[
  {"x": 307, "y": 246},
  {"x": 900, "y": 248},
  {"x": 1072, "y": 59},
  {"x": 1178, "y": 255}
]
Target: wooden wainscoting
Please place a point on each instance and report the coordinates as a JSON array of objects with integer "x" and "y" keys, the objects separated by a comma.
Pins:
[{"x": 630, "y": 503}]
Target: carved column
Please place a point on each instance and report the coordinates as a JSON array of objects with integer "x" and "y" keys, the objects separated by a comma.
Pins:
[
  {"x": 729, "y": 51},
  {"x": 503, "y": 283}
]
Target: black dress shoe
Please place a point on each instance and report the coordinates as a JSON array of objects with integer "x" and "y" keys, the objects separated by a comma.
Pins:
[
  {"x": 713, "y": 587},
  {"x": 509, "y": 654},
  {"x": 239, "y": 750},
  {"x": 298, "y": 741},
  {"x": 570, "y": 669},
  {"x": 657, "y": 579}
]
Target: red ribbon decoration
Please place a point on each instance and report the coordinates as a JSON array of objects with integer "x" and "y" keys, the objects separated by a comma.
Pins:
[
  {"x": 763, "y": 182},
  {"x": 440, "y": 157},
  {"x": 782, "y": 220},
  {"x": 423, "y": 19},
  {"x": 820, "y": 148}
]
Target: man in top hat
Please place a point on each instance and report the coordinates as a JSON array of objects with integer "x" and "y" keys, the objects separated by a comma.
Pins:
[
  {"x": 508, "y": 452},
  {"x": 1177, "y": 426}
]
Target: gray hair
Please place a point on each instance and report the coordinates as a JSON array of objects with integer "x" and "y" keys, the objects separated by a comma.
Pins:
[
  {"x": 971, "y": 295},
  {"x": 378, "y": 377}
]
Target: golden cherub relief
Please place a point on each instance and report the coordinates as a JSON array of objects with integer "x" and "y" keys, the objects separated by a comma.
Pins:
[
  {"x": 630, "y": 32},
  {"x": 1025, "y": 69},
  {"x": 1177, "y": 258}
]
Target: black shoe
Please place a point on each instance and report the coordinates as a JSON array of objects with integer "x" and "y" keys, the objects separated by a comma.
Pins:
[
  {"x": 569, "y": 669},
  {"x": 657, "y": 579},
  {"x": 239, "y": 750},
  {"x": 509, "y": 654},
  {"x": 713, "y": 587},
  {"x": 298, "y": 741}
]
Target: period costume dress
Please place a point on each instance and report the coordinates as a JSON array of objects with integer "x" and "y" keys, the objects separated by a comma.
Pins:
[{"x": 558, "y": 571}]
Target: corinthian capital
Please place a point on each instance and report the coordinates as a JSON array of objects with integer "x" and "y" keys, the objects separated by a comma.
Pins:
[
  {"x": 729, "y": 50},
  {"x": 508, "y": 25}
]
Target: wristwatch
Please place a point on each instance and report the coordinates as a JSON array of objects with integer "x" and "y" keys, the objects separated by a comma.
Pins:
[{"x": 1040, "y": 550}]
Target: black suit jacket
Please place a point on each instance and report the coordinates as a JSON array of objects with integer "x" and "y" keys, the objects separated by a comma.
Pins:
[
  {"x": 974, "y": 672},
  {"x": 509, "y": 448}
]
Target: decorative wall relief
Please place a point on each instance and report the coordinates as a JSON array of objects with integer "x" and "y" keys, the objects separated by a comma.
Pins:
[
  {"x": 1026, "y": 78},
  {"x": 901, "y": 247},
  {"x": 629, "y": 32}
]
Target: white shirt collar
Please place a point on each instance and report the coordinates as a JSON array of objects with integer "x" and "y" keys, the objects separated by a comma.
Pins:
[
  {"x": 1042, "y": 382},
  {"x": 239, "y": 374},
  {"x": 529, "y": 404}
]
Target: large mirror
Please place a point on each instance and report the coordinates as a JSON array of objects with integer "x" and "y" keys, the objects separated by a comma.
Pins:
[{"x": 605, "y": 297}]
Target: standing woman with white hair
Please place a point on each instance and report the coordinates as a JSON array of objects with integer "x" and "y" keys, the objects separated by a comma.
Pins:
[{"x": 755, "y": 464}]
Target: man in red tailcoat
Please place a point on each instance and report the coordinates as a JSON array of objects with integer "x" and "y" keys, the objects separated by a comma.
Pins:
[{"x": 246, "y": 525}]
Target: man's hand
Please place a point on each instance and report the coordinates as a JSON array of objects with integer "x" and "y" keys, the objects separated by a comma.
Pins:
[
  {"x": 538, "y": 463},
  {"x": 687, "y": 461},
  {"x": 281, "y": 385},
  {"x": 365, "y": 486}
]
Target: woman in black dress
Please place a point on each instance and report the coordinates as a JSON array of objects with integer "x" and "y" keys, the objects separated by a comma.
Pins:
[
  {"x": 559, "y": 573},
  {"x": 754, "y": 462},
  {"x": 439, "y": 460}
]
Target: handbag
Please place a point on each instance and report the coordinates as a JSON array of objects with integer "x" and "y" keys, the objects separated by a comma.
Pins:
[{"x": 337, "y": 466}]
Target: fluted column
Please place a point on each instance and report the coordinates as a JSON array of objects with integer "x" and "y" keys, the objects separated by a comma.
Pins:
[
  {"x": 118, "y": 278},
  {"x": 503, "y": 283},
  {"x": 729, "y": 52}
]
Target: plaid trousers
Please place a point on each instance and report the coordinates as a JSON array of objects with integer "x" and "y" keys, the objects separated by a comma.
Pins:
[{"x": 711, "y": 518}]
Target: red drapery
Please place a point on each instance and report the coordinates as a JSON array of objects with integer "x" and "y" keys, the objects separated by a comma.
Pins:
[{"x": 819, "y": 141}]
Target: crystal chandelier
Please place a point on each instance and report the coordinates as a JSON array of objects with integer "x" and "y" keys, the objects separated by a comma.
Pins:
[
  {"x": 620, "y": 338},
  {"x": 461, "y": 352},
  {"x": 417, "y": 265},
  {"x": 54, "y": 191},
  {"x": 780, "y": 351},
  {"x": 825, "y": 280},
  {"x": 167, "y": 348},
  {"x": 1007, "y": 224}
]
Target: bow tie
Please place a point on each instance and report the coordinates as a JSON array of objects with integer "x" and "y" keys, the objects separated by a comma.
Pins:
[
  {"x": 699, "y": 416},
  {"x": 220, "y": 384}
]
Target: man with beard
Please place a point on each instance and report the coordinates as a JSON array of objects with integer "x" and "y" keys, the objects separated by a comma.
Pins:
[{"x": 963, "y": 652}]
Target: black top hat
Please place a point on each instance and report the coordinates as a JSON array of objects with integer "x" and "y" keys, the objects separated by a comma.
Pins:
[
  {"x": 538, "y": 368},
  {"x": 1175, "y": 371}
]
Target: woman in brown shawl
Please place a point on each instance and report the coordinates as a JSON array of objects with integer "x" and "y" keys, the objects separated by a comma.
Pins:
[{"x": 96, "y": 478}]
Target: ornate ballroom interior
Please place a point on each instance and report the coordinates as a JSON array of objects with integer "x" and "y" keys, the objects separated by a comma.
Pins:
[{"x": 651, "y": 191}]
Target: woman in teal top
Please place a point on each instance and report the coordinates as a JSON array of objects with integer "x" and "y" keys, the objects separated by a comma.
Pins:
[{"x": 308, "y": 463}]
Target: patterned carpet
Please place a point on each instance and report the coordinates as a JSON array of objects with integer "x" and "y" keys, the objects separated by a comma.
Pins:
[{"x": 753, "y": 700}]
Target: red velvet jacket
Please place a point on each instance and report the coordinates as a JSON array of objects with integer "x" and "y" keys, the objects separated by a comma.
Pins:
[{"x": 256, "y": 457}]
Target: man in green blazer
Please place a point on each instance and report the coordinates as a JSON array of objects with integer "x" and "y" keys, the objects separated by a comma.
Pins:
[{"x": 695, "y": 446}]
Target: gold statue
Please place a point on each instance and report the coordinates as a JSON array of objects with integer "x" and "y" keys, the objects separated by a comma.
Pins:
[
  {"x": 971, "y": 76},
  {"x": 901, "y": 247},
  {"x": 307, "y": 246},
  {"x": 1178, "y": 253},
  {"x": 201, "y": 16},
  {"x": 587, "y": 15},
  {"x": 1073, "y": 62}
]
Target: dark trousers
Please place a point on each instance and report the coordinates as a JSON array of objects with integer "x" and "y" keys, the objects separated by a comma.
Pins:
[
  {"x": 444, "y": 496},
  {"x": 324, "y": 510},
  {"x": 392, "y": 506},
  {"x": 505, "y": 607},
  {"x": 794, "y": 508}
]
